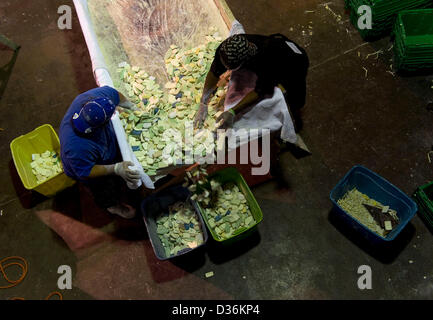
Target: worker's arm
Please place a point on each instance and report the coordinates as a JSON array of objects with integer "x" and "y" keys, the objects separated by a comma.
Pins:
[
  {"x": 209, "y": 89},
  {"x": 125, "y": 103},
  {"x": 101, "y": 170},
  {"x": 210, "y": 86},
  {"x": 122, "y": 98},
  {"x": 226, "y": 120},
  {"x": 121, "y": 169},
  {"x": 247, "y": 101}
]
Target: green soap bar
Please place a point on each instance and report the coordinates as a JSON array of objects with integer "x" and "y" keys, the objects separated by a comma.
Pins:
[
  {"x": 234, "y": 217},
  {"x": 165, "y": 242},
  {"x": 176, "y": 249},
  {"x": 161, "y": 230},
  {"x": 227, "y": 228}
]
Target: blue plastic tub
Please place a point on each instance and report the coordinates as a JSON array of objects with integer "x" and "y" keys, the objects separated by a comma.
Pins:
[
  {"x": 158, "y": 203},
  {"x": 377, "y": 188}
]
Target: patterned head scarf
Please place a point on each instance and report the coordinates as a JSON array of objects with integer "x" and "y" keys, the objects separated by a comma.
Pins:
[{"x": 234, "y": 51}]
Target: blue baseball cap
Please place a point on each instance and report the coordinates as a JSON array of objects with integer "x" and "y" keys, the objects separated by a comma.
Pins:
[{"x": 93, "y": 114}]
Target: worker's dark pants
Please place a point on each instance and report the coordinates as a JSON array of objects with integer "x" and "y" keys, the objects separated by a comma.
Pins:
[{"x": 110, "y": 191}]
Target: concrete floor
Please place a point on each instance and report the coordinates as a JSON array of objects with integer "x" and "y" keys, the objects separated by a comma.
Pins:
[{"x": 301, "y": 251}]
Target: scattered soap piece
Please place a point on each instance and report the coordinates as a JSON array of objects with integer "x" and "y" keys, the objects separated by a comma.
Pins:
[
  {"x": 45, "y": 166},
  {"x": 353, "y": 202},
  {"x": 209, "y": 274},
  {"x": 192, "y": 244},
  {"x": 135, "y": 132},
  {"x": 388, "y": 225},
  {"x": 175, "y": 231},
  {"x": 224, "y": 214},
  {"x": 163, "y": 111}
]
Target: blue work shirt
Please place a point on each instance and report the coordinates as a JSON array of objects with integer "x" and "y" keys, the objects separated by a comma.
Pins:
[{"x": 79, "y": 153}]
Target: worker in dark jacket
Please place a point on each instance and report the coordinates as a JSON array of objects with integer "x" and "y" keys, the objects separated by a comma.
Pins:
[
  {"x": 90, "y": 152},
  {"x": 276, "y": 60}
]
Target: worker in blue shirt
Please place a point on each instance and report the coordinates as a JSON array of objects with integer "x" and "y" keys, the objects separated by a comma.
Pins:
[{"x": 89, "y": 150}]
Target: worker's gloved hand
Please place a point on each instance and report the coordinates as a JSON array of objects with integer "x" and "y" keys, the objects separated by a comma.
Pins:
[
  {"x": 226, "y": 120},
  {"x": 128, "y": 105},
  {"x": 129, "y": 175},
  {"x": 201, "y": 115}
]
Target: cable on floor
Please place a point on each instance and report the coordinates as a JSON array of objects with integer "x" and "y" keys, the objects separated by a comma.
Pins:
[{"x": 22, "y": 264}]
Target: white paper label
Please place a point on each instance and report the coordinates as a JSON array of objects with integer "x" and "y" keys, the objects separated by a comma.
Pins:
[{"x": 293, "y": 47}]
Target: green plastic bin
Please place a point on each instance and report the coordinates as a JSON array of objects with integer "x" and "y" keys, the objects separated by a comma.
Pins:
[{"x": 233, "y": 175}]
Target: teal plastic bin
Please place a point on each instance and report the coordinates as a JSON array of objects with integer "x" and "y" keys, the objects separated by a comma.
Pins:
[{"x": 379, "y": 189}]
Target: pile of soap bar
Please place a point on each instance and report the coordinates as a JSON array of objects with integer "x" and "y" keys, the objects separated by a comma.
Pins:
[
  {"x": 156, "y": 132},
  {"x": 179, "y": 229},
  {"x": 197, "y": 182},
  {"x": 228, "y": 211},
  {"x": 45, "y": 165},
  {"x": 353, "y": 203}
]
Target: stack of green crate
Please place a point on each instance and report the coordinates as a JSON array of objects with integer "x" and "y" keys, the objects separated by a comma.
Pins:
[
  {"x": 384, "y": 13},
  {"x": 424, "y": 198},
  {"x": 413, "y": 47}
]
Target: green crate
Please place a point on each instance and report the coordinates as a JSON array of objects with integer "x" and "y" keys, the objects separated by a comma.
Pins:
[
  {"x": 424, "y": 210},
  {"x": 384, "y": 14},
  {"x": 232, "y": 175},
  {"x": 413, "y": 45},
  {"x": 418, "y": 26},
  {"x": 424, "y": 198}
]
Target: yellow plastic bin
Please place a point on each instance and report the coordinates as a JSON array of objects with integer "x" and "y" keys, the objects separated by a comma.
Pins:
[{"x": 39, "y": 140}]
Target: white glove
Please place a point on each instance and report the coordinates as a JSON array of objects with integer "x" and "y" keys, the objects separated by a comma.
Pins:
[
  {"x": 122, "y": 169},
  {"x": 128, "y": 105}
]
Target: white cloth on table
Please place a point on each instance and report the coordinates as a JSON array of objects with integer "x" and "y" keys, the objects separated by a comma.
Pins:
[{"x": 269, "y": 114}]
